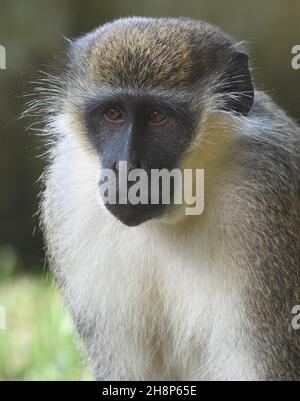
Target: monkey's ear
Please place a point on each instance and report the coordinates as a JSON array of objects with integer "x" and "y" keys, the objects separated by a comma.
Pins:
[{"x": 236, "y": 83}]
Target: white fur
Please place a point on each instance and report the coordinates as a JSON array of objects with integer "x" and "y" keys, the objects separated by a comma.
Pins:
[{"x": 166, "y": 303}]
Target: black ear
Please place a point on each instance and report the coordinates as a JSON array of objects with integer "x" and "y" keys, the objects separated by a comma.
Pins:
[{"x": 236, "y": 82}]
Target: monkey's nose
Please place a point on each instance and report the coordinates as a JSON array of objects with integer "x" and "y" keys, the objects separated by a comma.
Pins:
[{"x": 131, "y": 165}]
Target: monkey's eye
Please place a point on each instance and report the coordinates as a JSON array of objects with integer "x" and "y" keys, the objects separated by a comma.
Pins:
[
  {"x": 156, "y": 117},
  {"x": 113, "y": 114}
]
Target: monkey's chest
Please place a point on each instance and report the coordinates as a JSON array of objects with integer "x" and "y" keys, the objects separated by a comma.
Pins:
[{"x": 171, "y": 310}]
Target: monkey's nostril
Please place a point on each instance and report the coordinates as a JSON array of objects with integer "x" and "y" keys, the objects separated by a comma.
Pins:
[
  {"x": 115, "y": 166},
  {"x": 133, "y": 165}
]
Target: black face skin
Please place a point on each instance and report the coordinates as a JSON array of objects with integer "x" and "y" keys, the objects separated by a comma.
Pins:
[{"x": 146, "y": 131}]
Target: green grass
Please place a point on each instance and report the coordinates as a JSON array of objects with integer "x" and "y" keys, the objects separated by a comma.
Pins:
[{"x": 38, "y": 343}]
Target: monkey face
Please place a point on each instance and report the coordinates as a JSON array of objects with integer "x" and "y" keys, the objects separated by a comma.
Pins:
[
  {"x": 146, "y": 131},
  {"x": 142, "y": 85}
]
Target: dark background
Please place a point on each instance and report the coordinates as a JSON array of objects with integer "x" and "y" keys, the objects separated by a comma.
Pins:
[{"x": 33, "y": 33}]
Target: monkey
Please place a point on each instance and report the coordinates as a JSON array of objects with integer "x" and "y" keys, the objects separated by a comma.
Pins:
[{"x": 156, "y": 294}]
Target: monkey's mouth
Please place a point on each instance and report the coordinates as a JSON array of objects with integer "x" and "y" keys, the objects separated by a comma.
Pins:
[
  {"x": 135, "y": 215},
  {"x": 133, "y": 208}
]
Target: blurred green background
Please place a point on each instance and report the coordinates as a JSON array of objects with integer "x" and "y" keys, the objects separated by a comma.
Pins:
[{"x": 38, "y": 342}]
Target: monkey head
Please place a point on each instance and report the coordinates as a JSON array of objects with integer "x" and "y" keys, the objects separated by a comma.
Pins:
[{"x": 140, "y": 88}]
